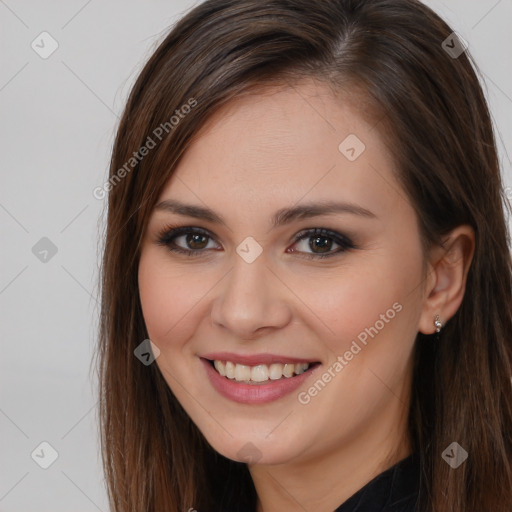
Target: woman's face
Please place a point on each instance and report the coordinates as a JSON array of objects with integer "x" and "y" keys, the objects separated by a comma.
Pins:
[{"x": 256, "y": 299}]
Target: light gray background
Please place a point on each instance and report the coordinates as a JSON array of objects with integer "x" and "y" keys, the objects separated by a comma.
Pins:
[{"x": 58, "y": 117}]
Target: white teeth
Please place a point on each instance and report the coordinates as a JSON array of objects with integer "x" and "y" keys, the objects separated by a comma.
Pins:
[
  {"x": 275, "y": 371},
  {"x": 260, "y": 372},
  {"x": 230, "y": 370},
  {"x": 288, "y": 369},
  {"x": 301, "y": 368},
  {"x": 242, "y": 372},
  {"x": 219, "y": 366}
]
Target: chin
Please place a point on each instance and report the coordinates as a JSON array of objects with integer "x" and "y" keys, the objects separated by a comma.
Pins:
[{"x": 254, "y": 450}]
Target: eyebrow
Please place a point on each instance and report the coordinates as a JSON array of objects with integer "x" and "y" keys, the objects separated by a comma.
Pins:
[{"x": 280, "y": 218}]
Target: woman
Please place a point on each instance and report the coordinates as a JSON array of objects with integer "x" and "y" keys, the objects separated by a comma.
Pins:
[{"x": 306, "y": 219}]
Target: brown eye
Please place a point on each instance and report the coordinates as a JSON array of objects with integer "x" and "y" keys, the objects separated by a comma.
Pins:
[
  {"x": 196, "y": 241},
  {"x": 187, "y": 240},
  {"x": 323, "y": 243},
  {"x": 320, "y": 242}
]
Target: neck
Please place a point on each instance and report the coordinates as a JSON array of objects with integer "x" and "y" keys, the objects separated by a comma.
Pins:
[{"x": 326, "y": 480}]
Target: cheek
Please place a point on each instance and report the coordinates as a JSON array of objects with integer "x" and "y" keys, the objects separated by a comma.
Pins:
[
  {"x": 167, "y": 296},
  {"x": 371, "y": 311},
  {"x": 373, "y": 304}
]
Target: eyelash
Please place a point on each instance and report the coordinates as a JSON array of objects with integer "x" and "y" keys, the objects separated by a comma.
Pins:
[{"x": 167, "y": 235}]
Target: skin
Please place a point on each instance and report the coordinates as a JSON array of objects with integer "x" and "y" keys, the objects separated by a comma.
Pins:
[{"x": 258, "y": 154}]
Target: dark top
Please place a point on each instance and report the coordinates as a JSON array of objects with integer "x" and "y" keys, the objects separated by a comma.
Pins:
[{"x": 394, "y": 490}]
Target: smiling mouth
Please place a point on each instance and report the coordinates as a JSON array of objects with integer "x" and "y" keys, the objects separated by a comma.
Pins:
[{"x": 261, "y": 373}]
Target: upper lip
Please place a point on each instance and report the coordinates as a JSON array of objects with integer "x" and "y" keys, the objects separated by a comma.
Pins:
[{"x": 255, "y": 359}]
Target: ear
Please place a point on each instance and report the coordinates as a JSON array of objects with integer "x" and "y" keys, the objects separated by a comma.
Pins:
[{"x": 447, "y": 270}]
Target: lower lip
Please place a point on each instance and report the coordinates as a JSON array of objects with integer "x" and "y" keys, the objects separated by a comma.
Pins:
[{"x": 254, "y": 393}]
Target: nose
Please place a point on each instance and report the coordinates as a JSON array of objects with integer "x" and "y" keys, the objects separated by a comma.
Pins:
[{"x": 251, "y": 300}]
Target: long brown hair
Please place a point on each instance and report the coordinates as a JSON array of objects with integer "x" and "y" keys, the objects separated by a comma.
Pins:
[{"x": 429, "y": 106}]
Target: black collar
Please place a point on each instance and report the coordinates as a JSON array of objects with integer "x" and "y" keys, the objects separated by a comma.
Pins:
[{"x": 394, "y": 490}]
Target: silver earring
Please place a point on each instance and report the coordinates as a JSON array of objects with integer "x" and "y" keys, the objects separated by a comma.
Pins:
[{"x": 438, "y": 324}]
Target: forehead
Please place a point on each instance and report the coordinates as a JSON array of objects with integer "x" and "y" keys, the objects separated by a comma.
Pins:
[{"x": 282, "y": 145}]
